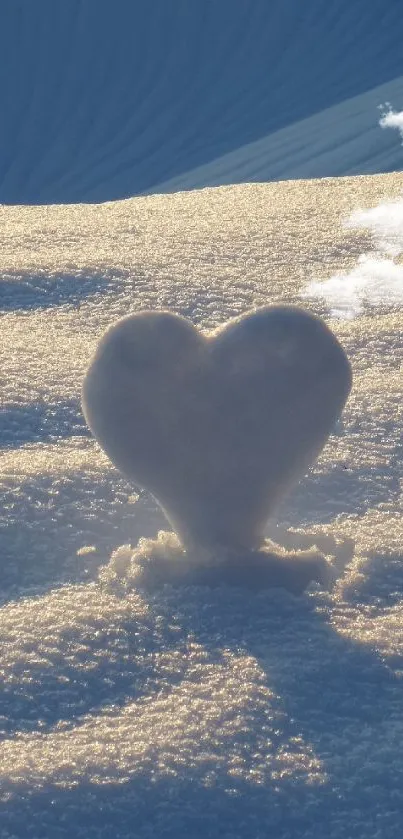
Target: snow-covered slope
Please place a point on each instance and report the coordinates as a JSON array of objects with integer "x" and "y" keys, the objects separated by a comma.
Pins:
[
  {"x": 161, "y": 711},
  {"x": 193, "y": 711},
  {"x": 101, "y": 101}
]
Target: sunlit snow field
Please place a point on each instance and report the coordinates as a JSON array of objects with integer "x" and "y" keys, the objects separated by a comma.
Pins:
[
  {"x": 193, "y": 708},
  {"x": 194, "y": 711}
]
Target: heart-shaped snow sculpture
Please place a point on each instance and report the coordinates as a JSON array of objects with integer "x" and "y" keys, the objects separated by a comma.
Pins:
[{"x": 217, "y": 427}]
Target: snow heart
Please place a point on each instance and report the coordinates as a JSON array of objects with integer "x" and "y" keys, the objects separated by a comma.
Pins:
[{"x": 217, "y": 427}]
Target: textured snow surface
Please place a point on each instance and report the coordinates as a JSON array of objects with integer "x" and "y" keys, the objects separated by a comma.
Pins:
[
  {"x": 103, "y": 100},
  {"x": 193, "y": 711}
]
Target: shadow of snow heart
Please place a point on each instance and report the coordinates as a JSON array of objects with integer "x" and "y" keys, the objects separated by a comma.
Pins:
[{"x": 219, "y": 692}]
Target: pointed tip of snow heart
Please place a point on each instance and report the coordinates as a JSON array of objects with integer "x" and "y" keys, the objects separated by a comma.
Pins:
[{"x": 217, "y": 427}]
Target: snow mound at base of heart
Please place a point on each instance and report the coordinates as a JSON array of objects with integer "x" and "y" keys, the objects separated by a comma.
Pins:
[{"x": 154, "y": 563}]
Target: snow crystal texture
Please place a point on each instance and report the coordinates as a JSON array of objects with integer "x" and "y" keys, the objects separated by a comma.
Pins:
[
  {"x": 200, "y": 711},
  {"x": 196, "y": 710}
]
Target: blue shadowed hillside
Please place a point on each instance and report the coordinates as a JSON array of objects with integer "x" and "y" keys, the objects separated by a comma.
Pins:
[{"x": 101, "y": 101}]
